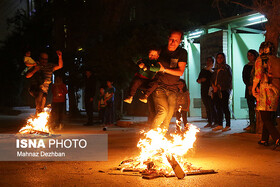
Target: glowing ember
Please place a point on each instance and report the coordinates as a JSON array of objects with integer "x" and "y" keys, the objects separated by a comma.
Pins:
[
  {"x": 178, "y": 122},
  {"x": 179, "y": 126},
  {"x": 37, "y": 125},
  {"x": 156, "y": 149}
]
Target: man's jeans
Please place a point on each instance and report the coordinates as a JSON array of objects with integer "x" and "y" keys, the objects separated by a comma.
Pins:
[
  {"x": 40, "y": 101},
  {"x": 165, "y": 103}
]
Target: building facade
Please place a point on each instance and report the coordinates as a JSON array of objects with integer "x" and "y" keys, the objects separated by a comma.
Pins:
[{"x": 233, "y": 36}]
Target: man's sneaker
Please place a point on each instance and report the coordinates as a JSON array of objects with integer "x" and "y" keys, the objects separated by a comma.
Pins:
[
  {"x": 128, "y": 100},
  {"x": 144, "y": 99},
  {"x": 227, "y": 128},
  {"x": 208, "y": 125},
  {"x": 219, "y": 127}
]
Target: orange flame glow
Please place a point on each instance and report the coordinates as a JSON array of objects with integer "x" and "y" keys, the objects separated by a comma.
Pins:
[
  {"x": 155, "y": 147},
  {"x": 38, "y": 124}
]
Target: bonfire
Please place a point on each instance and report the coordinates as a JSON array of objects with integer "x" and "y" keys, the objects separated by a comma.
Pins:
[
  {"x": 37, "y": 124},
  {"x": 162, "y": 156}
]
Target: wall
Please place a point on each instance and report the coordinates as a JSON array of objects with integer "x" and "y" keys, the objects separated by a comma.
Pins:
[
  {"x": 210, "y": 45},
  {"x": 241, "y": 43},
  {"x": 191, "y": 74}
]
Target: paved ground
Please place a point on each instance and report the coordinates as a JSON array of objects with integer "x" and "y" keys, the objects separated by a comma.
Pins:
[{"x": 237, "y": 157}]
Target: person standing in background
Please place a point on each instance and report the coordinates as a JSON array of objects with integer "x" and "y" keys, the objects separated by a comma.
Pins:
[
  {"x": 222, "y": 85},
  {"x": 59, "y": 92},
  {"x": 101, "y": 104},
  {"x": 89, "y": 94},
  {"x": 266, "y": 89},
  {"x": 204, "y": 78},
  {"x": 247, "y": 77},
  {"x": 183, "y": 103},
  {"x": 109, "y": 114}
]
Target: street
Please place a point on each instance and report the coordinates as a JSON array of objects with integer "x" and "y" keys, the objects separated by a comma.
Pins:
[{"x": 235, "y": 155}]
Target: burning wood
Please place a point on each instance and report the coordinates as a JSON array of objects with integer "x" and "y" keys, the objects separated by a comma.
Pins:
[
  {"x": 37, "y": 124},
  {"x": 179, "y": 173},
  {"x": 163, "y": 157},
  {"x": 151, "y": 173}
]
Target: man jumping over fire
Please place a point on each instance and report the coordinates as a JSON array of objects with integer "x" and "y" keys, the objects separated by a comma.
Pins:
[
  {"x": 44, "y": 70},
  {"x": 173, "y": 60}
]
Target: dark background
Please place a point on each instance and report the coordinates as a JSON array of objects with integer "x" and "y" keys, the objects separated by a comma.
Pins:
[{"x": 107, "y": 36}]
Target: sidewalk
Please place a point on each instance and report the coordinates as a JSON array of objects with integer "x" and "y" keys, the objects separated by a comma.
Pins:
[
  {"x": 236, "y": 125},
  {"x": 11, "y": 124},
  {"x": 236, "y": 156}
]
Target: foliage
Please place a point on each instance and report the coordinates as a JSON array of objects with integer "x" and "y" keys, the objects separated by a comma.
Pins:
[
  {"x": 25, "y": 32},
  {"x": 269, "y": 8},
  {"x": 112, "y": 38}
]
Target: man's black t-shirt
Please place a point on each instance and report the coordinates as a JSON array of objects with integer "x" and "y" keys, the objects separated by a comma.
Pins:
[{"x": 169, "y": 60}]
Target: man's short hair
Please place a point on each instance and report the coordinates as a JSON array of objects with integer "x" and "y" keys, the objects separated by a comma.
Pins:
[
  {"x": 176, "y": 31},
  {"x": 40, "y": 56},
  {"x": 43, "y": 52}
]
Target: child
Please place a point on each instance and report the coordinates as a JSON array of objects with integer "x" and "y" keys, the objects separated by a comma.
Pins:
[
  {"x": 183, "y": 102},
  {"x": 29, "y": 62},
  {"x": 59, "y": 92},
  {"x": 101, "y": 104},
  {"x": 144, "y": 77},
  {"x": 109, "y": 99}
]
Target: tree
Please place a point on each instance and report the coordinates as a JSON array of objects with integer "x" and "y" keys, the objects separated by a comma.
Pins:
[
  {"x": 111, "y": 34},
  {"x": 271, "y": 10},
  {"x": 24, "y": 32}
]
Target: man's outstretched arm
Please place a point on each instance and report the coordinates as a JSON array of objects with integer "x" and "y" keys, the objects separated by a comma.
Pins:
[
  {"x": 31, "y": 73},
  {"x": 177, "y": 72},
  {"x": 60, "y": 61}
]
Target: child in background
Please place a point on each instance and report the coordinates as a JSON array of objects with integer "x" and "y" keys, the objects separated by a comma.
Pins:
[
  {"x": 29, "y": 62},
  {"x": 144, "y": 77},
  {"x": 59, "y": 92},
  {"x": 101, "y": 105},
  {"x": 183, "y": 102},
  {"x": 109, "y": 99}
]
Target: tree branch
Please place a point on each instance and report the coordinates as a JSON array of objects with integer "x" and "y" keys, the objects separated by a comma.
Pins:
[
  {"x": 245, "y": 6},
  {"x": 215, "y": 3}
]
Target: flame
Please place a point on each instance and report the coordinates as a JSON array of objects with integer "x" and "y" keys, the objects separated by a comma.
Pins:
[
  {"x": 155, "y": 148},
  {"x": 38, "y": 124},
  {"x": 178, "y": 122},
  {"x": 180, "y": 108}
]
